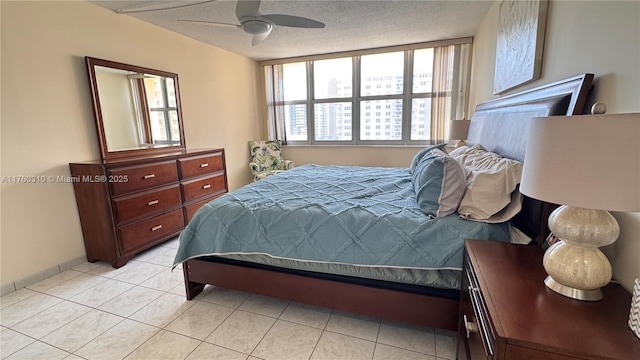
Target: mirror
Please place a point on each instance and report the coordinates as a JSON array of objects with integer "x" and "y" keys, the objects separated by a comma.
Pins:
[{"x": 137, "y": 110}]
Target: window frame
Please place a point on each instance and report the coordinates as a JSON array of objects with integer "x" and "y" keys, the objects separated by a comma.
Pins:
[
  {"x": 139, "y": 89},
  {"x": 356, "y": 99}
]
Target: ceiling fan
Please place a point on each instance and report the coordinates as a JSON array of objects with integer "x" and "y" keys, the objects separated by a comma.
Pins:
[{"x": 259, "y": 25}]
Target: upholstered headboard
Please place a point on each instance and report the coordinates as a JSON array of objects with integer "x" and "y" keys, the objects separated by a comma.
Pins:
[{"x": 501, "y": 126}]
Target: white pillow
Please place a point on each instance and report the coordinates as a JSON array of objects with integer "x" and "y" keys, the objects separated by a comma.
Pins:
[
  {"x": 492, "y": 181},
  {"x": 518, "y": 237}
]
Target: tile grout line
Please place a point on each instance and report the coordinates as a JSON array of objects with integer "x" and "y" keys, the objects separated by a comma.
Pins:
[
  {"x": 44, "y": 342},
  {"x": 262, "y": 338},
  {"x": 376, "y": 342},
  {"x": 216, "y": 328},
  {"x": 316, "y": 345},
  {"x": 144, "y": 342},
  {"x": 196, "y": 301},
  {"x": 324, "y": 329},
  {"x": 67, "y": 265}
]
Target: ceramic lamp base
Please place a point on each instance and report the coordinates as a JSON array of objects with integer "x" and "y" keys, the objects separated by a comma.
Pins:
[
  {"x": 576, "y": 267},
  {"x": 578, "y": 294}
]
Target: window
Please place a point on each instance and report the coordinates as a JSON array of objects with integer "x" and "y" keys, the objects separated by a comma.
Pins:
[
  {"x": 332, "y": 121},
  {"x": 413, "y": 92},
  {"x": 295, "y": 97},
  {"x": 421, "y": 106},
  {"x": 332, "y": 83},
  {"x": 332, "y": 78},
  {"x": 160, "y": 123}
]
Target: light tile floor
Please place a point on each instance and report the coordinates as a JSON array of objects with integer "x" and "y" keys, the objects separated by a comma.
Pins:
[{"x": 139, "y": 311}]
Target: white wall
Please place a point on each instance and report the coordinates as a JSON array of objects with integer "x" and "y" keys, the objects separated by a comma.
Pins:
[
  {"x": 351, "y": 155},
  {"x": 119, "y": 113},
  {"x": 599, "y": 37},
  {"x": 47, "y": 119}
]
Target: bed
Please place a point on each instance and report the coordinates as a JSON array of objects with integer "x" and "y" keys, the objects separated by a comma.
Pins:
[{"x": 298, "y": 235}]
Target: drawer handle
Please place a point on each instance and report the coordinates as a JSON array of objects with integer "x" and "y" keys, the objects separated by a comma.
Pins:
[
  {"x": 469, "y": 326},
  {"x": 206, "y": 186},
  {"x": 157, "y": 227},
  {"x": 150, "y": 176},
  {"x": 153, "y": 202},
  {"x": 204, "y": 165}
]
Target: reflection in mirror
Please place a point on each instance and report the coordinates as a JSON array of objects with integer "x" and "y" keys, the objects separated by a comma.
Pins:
[{"x": 137, "y": 109}]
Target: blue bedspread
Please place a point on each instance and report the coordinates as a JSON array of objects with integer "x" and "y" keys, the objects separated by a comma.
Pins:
[{"x": 366, "y": 216}]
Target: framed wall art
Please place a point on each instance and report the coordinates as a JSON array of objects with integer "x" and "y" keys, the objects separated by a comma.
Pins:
[{"x": 521, "y": 28}]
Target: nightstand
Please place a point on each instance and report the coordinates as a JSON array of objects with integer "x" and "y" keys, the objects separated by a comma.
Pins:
[{"x": 506, "y": 311}]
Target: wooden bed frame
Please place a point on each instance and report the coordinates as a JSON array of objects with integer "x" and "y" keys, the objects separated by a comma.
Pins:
[{"x": 492, "y": 120}]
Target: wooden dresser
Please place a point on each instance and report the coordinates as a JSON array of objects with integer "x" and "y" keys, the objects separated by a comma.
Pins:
[
  {"x": 127, "y": 206},
  {"x": 506, "y": 311}
]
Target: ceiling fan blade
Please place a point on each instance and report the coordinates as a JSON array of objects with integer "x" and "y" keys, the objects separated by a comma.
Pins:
[
  {"x": 211, "y": 23},
  {"x": 257, "y": 39},
  {"x": 156, "y": 7},
  {"x": 294, "y": 21},
  {"x": 246, "y": 8}
]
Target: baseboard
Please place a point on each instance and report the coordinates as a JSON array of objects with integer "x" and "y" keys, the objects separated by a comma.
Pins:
[
  {"x": 7, "y": 289},
  {"x": 41, "y": 275},
  {"x": 67, "y": 265}
]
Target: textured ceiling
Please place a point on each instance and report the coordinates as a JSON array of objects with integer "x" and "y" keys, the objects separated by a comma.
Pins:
[{"x": 350, "y": 25}]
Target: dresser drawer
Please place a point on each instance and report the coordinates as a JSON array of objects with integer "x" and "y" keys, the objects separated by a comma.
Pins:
[
  {"x": 140, "y": 233},
  {"x": 203, "y": 187},
  {"x": 190, "y": 210},
  {"x": 474, "y": 318},
  {"x": 519, "y": 318},
  {"x": 470, "y": 332},
  {"x": 149, "y": 202},
  {"x": 143, "y": 176},
  {"x": 200, "y": 165}
]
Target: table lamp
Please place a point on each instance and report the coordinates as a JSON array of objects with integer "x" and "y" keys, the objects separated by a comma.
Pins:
[
  {"x": 459, "y": 130},
  {"x": 590, "y": 165}
]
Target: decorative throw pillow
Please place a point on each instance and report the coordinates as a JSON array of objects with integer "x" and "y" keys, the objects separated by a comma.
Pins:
[
  {"x": 418, "y": 156},
  {"x": 439, "y": 183},
  {"x": 492, "y": 181}
]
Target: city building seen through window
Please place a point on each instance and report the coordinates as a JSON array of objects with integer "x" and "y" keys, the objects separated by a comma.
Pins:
[{"x": 396, "y": 97}]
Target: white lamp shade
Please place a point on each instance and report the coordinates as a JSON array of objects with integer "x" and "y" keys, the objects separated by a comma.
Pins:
[
  {"x": 590, "y": 161},
  {"x": 459, "y": 129}
]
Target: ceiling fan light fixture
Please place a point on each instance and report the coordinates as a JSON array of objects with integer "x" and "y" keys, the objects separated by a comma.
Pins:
[
  {"x": 259, "y": 25},
  {"x": 256, "y": 26}
]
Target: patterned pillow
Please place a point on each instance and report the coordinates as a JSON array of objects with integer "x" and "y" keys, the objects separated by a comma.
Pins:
[
  {"x": 439, "y": 183},
  {"x": 418, "y": 156}
]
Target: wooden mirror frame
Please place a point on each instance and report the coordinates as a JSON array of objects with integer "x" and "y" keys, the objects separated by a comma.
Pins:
[{"x": 105, "y": 153}]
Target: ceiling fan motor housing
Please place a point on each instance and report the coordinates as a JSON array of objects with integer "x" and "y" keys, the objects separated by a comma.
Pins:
[{"x": 255, "y": 25}]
